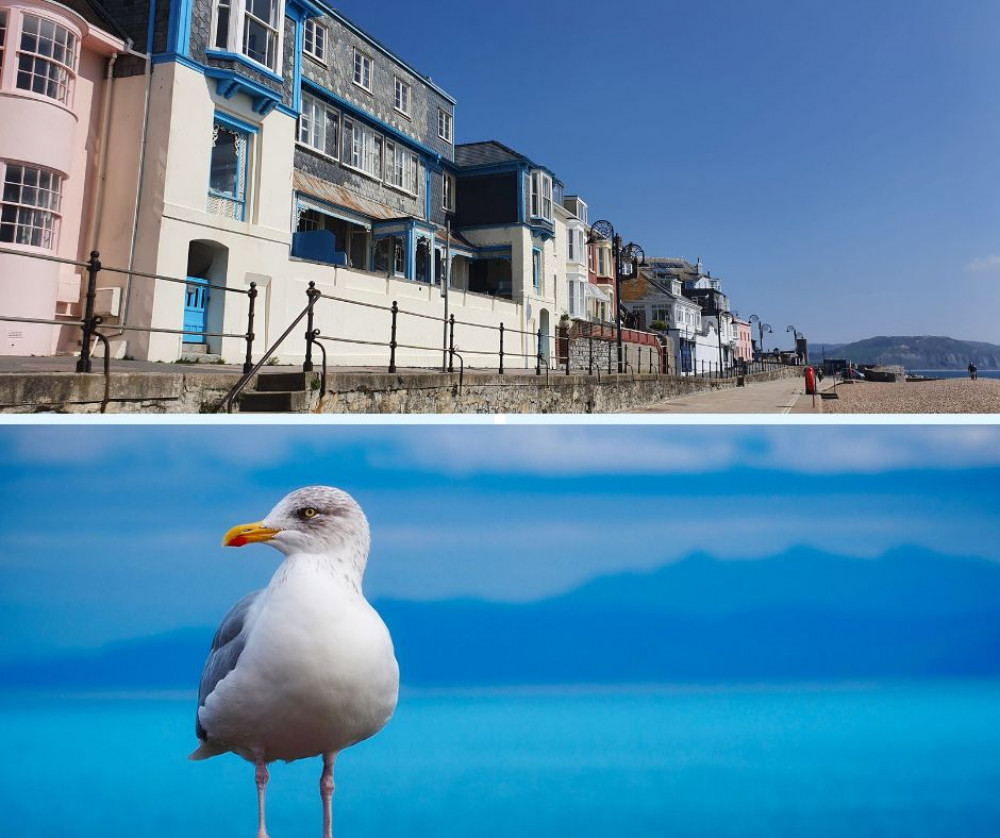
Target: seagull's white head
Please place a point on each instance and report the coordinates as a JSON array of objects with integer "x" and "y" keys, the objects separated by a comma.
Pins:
[{"x": 316, "y": 520}]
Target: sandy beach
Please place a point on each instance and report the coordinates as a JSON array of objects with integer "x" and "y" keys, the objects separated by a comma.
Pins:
[{"x": 952, "y": 395}]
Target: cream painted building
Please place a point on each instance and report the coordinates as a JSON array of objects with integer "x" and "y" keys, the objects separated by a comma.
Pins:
[{"x": 278, "y": 144}]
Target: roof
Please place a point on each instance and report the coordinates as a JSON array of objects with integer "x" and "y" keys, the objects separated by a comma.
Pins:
[
  {"x": 492, "y": 153},
  {"x": 341, "y": 197},
  {"x": 94, "y": 13},
  {"x": 357, "y": 30},
  {"x": 485, "y": 154}
]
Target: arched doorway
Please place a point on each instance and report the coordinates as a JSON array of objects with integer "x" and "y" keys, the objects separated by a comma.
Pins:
[
  {"x": 544, "y": 325},
  {"x": 207, "y": 264}
]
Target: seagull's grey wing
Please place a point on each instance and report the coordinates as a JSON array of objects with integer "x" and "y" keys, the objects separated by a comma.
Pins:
[{"x": 227, "y": 646}]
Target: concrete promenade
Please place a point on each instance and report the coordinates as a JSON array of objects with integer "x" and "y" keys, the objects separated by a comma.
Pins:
[
  {"x": 40, "y": 384},
  {"x": 778, "y": 397}
]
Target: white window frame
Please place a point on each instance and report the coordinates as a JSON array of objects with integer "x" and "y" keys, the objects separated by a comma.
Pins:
[
  {"x": 447, "y": 191},
  {"x": 402, "y": 87},
  {"x": 58, "y": 61},
  {"x": 571, "y": 245},
  {"x": 39, "y": 218},
  {"x": 367, "y": 148},
  {"x": 358, "y": 73},
  {"x": 401, "y": 168},
  {"x": 318, "y": 39},
  {"x": 312, "y": 124},
  {"x": 4, "y": 26},
  {"x": 446, "y": 125},
  {"x": 313, "y": 130},
  {"x": 238, "y": 20}
]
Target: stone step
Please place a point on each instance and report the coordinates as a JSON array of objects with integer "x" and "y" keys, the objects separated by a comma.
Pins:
[
  {"x": 269, "y": 382},
  {"x": 273, "y": 402},
  {"x": 194, "y": 348},
  {"x": 199, "y": 358}
]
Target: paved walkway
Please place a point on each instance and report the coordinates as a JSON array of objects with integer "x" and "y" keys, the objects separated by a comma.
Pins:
[{"x": 786, "y": 395}]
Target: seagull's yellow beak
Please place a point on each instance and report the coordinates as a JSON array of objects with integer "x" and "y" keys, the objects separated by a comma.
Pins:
[{"x": 247, "y": 534}]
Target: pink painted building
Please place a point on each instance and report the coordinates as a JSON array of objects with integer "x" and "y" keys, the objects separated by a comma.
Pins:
[
  {"x": 744, "y": 340},
  {"x": 54, "y": 96}
]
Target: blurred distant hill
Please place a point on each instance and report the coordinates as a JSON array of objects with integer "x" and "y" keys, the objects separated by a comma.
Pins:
[
  {"x": 803, "y": 615},
  {"x": 922, "y": 352}
]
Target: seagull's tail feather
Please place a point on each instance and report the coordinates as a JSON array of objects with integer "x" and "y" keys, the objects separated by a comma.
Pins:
[{"x": 207, "y": 750}]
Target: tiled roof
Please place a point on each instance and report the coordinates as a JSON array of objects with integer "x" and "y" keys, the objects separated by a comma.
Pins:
[
  {"x": 484, "y": 154},
  {"x": 341, "y": 197},
  {"x": 94, "y": 13}
]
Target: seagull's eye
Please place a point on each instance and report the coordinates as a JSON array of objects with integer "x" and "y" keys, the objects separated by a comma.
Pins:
[{"x": 309, "y": 512}]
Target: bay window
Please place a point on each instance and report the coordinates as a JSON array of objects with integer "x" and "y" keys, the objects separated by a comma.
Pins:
[
  {"x": 541, "y": 195},
  {"x": 46, "y": 58},
  {"x": 30, "y": 206},
  {"x": 252, "y": 28}
]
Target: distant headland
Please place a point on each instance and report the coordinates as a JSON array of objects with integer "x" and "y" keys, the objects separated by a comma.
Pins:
[{"x": 921, "y": 352}]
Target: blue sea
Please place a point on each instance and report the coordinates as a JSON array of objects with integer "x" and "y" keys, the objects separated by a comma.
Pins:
[
  {"x": 954, "y": 373},
  {"x": 913, "y": 760}
]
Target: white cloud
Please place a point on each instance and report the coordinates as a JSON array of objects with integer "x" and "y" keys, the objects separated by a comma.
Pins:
[
  {"x": 985, "y": 264},
  {"x": 622, "y": 450}
]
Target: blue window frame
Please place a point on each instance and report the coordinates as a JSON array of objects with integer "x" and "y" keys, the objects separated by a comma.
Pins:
[
  {"x": 536, "y": 268},
  {"x": 230, "y": 168}
]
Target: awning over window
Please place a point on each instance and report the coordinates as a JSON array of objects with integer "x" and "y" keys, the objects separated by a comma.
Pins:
[{"x": 593, "y": 292}]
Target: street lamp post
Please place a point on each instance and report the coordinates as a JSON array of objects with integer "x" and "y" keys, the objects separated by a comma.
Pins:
[
  {"x": 604, "y": 230},
  {"x": 796, "y": 337},
  {"x": 761, "y": 328}
]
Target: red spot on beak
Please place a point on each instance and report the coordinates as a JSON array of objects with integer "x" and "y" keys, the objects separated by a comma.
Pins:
[{"x": 239, "y": 541}]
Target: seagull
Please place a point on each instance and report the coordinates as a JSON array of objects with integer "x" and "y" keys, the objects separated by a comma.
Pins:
[{"x": 304, "y": 667}]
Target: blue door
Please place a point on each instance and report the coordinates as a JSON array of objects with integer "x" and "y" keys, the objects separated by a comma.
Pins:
[{"x": 195, "y": 308}]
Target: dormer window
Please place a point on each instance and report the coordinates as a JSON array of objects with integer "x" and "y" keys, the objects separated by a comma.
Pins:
[{"x": 250, "y": 27}]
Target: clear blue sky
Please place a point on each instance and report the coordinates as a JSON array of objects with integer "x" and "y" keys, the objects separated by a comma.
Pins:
[
  {"x": 113, "y": 532},
  {"x": 836, "y": 164}
]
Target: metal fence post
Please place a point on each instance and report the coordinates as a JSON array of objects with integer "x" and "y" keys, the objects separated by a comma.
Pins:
[
  {"x": 451, "y": 343},
  {"x": 590, "y": 360},
  {"x": 312, "y": 294},
  {"x": 501, "y": 349},
  {"x": 608, "y": 343},
  {"x": 538, "y": 353},
  {"x": 392, "y": 338},
  {"x": 83, "y": 363},
  {"x": 252, "y": 294}
]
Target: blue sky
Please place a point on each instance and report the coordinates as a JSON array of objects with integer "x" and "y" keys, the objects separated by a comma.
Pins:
[
  {"x": 834, "y": 163},
  {"x": 114, "y": 531}
]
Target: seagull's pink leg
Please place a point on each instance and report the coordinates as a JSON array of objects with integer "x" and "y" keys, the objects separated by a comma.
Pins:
[
  {"x": 262, "y": 778},
  {"x": 326, "y": 792}
]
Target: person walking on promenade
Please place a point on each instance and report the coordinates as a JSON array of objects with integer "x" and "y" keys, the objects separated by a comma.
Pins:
[{"x": 973, "y": 370}]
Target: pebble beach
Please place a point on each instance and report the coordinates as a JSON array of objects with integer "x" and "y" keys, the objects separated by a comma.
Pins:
[{"x": 951, "y": 395}]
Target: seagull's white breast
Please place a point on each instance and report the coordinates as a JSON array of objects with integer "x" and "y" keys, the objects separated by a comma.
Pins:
[{"x": 318, "y": 672}]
